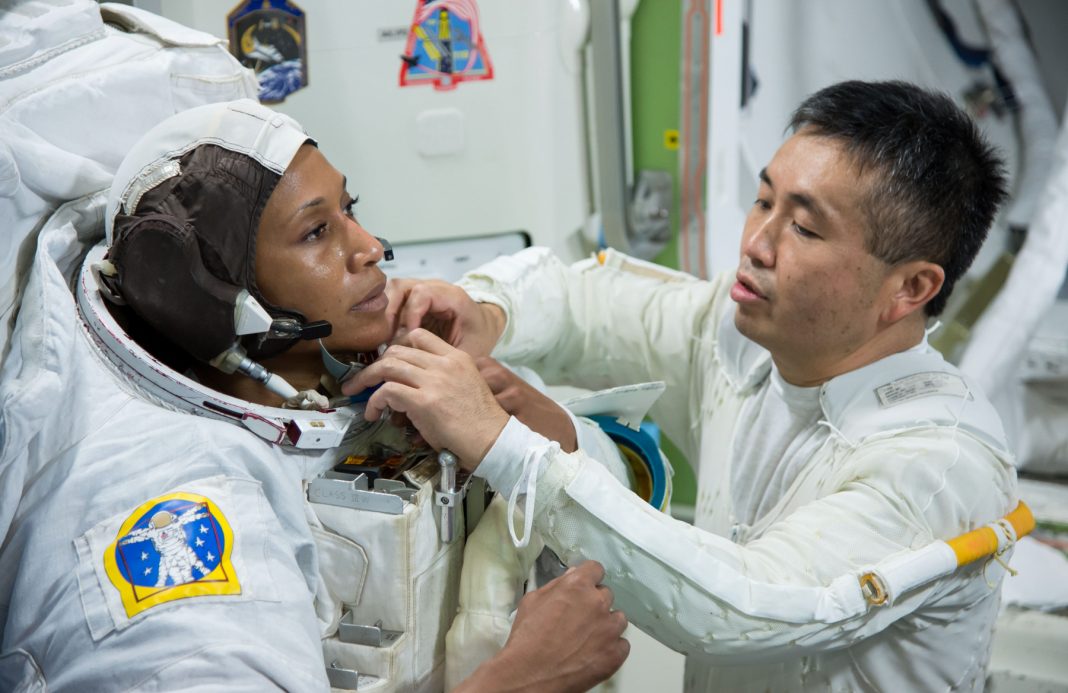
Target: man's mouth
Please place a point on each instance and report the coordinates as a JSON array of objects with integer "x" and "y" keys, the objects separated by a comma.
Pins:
[{"x": 745, "y": 290}]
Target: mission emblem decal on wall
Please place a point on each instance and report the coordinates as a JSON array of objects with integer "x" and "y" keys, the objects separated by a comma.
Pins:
[
  {"x": 270, "y": 36},
  {"x": 445, "y": 46}
]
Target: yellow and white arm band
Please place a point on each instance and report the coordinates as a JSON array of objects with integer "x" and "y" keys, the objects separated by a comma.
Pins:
[{"x": 900, "y": 574}]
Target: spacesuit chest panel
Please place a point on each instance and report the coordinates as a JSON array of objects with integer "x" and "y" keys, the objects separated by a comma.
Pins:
[{"x": 391, "y": 630}]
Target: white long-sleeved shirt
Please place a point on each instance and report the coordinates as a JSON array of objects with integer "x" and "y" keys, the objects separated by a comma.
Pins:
[{"x": 883, "y": 480}]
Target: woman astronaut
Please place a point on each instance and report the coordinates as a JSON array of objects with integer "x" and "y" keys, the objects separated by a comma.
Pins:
[{"x": 248, "y": 545}]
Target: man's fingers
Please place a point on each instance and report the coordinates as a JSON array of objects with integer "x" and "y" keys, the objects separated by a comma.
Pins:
[
  {"x": 591, "y": 571},
  {"x": 622, "y": 649},
  {"x": 419, "y": 304},
  {"x": 397, "y": 293},
  {"x": 495, "y": 375},
  {"x": 606, "y": 596},
  {"x": 398, "y": 362},
  {"x": 394, "y": 396},
  {"x": 428, "y": 341}
]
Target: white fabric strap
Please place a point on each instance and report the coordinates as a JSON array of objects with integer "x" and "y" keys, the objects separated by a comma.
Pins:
[
  {"x": 908, "y": 570},
  {"x": 532, "y": 459}
]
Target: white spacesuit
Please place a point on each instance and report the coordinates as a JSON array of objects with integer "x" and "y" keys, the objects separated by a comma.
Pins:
[
  {"x": 80, "y": 83},
  {"x": 101, "y": 444},
  {"x": 168, "y": 533},
  {"x": 826, "y": 581}
]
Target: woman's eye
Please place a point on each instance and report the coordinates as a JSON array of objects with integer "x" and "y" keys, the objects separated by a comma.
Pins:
[
  {"x": 316, "y": 233},
  {"x": 350, "y": 207},
  {"x": 762, "y": 204}
]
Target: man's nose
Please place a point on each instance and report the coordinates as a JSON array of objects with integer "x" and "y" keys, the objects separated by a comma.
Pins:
[{"x": 758, "y": 242}]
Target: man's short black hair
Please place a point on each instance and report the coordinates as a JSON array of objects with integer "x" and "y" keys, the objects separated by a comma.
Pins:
[{"x": 936, "y": 182}]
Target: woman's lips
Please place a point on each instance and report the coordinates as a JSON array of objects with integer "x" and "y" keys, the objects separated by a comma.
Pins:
[{"x": 374, "y": 301}]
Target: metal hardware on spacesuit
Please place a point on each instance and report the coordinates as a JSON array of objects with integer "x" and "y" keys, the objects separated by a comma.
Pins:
[
  {"x": 339, "y": 370},
  {"x": 289, "y": 427},
  {"x": 342, "y": 371},
  {"x": 872, "y": 589},
  {"x": 340, "y": 677},
  {"x": 397, "y": 488},
  {"x": 448, "y": 496},
  {"x": 347, "y": 491},
  {"x": 234, "y": 360},
  {"x": 288, "y": 327},
  {"x": 373, "y": 635}
]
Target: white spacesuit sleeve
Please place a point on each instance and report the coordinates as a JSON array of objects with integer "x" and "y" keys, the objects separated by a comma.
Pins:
[
  {"x": 495, "y": 570},
  {"x": 791, "y": 590},
  {"x": 595, "y": 327}
]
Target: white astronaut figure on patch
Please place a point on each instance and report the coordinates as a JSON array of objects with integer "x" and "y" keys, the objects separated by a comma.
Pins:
[{"x": 166, "y": 531}]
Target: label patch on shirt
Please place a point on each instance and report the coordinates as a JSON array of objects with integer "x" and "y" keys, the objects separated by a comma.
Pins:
[
  {"x": 922, "y": 385},
  {"x": 172, "y": 547}
]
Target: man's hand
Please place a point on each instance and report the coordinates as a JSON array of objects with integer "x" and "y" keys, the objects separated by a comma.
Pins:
[
  {"x": 441, "y": 391},
  {"x": 565, "y": 638},
  {"x": 447, "y": 311},
  {"x": 523, "y": 401}
]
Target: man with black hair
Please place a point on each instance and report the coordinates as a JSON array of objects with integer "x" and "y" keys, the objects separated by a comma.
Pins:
[{"x": 834, "y": 447}]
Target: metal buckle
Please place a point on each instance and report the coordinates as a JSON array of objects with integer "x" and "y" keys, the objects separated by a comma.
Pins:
[{"x": 872, "y": 589}]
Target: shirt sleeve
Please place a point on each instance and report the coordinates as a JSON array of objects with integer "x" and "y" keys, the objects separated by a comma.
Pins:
[
  {"x": 595, "y": 327},
  {"x": 699, "y": 593}
]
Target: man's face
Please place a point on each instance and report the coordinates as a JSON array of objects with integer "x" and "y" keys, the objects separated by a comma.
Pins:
[
  {"x": 808, "y": 290},
  {"x": 313, "y": 256}
]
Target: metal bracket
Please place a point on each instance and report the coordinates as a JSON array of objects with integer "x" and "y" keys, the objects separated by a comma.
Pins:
[
  {"x": 358, "y": 634},
  {"x": 340, "y": 677},
  {"x": 396, "y": 487},
  {"x": 352, "y": 492},
  {"x": 448, "y": 496}
]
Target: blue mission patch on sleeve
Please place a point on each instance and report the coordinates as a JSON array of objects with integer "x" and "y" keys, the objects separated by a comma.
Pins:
[{"x": 172, "y": 547}]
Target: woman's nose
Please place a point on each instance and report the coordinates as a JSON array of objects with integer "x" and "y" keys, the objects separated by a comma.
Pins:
[{"x": 364, "y": 249}]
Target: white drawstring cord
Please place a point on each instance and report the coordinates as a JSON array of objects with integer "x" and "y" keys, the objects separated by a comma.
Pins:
[{"x": 529, "y": 476}]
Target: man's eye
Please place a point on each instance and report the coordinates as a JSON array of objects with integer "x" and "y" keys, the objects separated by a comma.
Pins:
[{"x": 803, "y": 232}]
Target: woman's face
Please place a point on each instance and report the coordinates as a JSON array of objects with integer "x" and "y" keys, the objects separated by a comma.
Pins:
[{"x": 313, "y": 256}]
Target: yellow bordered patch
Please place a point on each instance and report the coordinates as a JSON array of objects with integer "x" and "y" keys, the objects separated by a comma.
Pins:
[{"x": 172, "y": 547}]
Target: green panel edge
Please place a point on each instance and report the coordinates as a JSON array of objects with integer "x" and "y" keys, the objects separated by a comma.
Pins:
[{"x": 656, "y": 37}]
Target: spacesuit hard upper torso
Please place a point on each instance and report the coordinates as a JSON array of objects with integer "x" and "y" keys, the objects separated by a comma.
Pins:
[
  {"x": 151, "y": 548},
  {"x": 903, "y": 452}
]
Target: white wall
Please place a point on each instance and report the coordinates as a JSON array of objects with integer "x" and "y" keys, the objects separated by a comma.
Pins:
[
  {"x": 800, "y": 47},
  {"x": 513, "y": 154}
]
